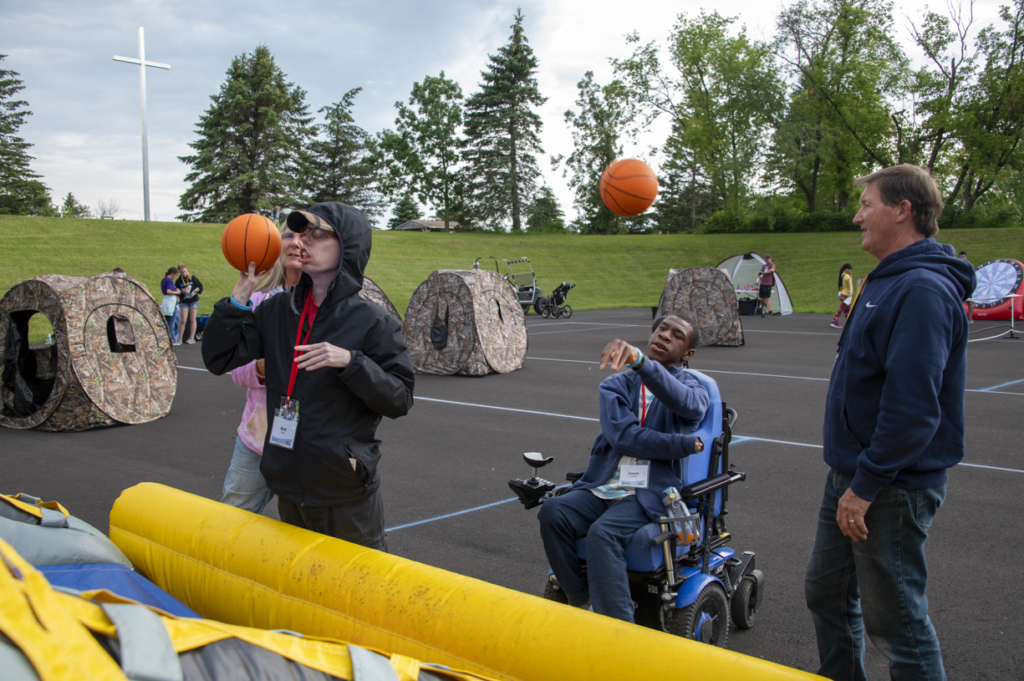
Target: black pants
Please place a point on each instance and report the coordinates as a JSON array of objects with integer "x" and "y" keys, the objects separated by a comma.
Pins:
[{"x": 360, "y": 522}]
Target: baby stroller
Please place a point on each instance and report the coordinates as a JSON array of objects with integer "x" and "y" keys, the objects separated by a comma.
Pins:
[
  {"x": 683, "y": 577},
  {"x": 555, "y": 306}
]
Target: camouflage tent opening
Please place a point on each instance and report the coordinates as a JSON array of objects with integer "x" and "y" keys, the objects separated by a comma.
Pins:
[
  {"x": 465, "y": 322},
  {"x": 111, "y": 360},
  {"x": 375, "y": 294},
  {"x": 706, "y": 296}
]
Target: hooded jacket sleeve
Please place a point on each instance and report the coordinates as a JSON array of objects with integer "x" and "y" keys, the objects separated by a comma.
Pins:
[
  {"x": 620, "y": 424},
  {"x": 232, "y": 338},
  {"x": 909, "y": 410},
  {"x": 381, "y": 374}
]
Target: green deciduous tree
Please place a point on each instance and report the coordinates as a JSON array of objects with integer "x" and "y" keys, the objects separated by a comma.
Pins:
[
  {"x": 991, "y": 122},
  {"x": 73, "y": 209},
  {"x": 722, "y": 91},
  {"x": 596, "y": 126},
  {"x": 848, "y": 70},
  {"x": 502, "y": 133},
  {"x": 425, "y": 145},
  {"x": 21, "y": 193},
  {"x": 340, "y": 167},
  {"x": 405, "y": 210},
  {"x": 252, "y": 145}
]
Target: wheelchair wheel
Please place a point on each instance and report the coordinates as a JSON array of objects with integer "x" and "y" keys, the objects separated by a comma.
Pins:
[
  {"x": 567, "y": 312},
  {"x": 706, "y": 620},
  {"x": 744, "y": 603},
  {"x": 553, "y": 592}
]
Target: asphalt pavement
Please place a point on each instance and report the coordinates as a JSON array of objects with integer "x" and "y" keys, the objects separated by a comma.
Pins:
[{"x": 445, "y": 469}]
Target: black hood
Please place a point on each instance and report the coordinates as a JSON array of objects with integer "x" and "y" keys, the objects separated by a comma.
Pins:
[{"x": 354, "y": 233}]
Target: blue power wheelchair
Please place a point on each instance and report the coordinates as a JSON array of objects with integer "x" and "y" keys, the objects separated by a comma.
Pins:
[{"x": 683, "y": 578}]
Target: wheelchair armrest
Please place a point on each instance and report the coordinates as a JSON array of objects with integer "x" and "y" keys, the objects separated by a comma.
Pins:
[
  {"x": 699, "y": 489},
  {"x": 573, "y": 476}
]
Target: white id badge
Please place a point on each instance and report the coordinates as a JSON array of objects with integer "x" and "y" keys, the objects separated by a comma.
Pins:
[
  {"x": 635, "y": 474},
  {"x": 286, "y": 422}
]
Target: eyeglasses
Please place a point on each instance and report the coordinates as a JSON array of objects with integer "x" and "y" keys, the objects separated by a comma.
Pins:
[{"x": 314, "y": 233}]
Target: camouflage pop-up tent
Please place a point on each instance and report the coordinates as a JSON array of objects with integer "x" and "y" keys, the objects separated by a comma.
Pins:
[
  {"x": 707, "y": 297},
  {"x": 465, "y": 322},
  {"x": 111, "y": 360},
  {"x": 375, "y": 294}
]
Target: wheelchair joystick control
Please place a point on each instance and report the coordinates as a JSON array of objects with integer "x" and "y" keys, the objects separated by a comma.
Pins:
[{"x": 534, "y": 491}]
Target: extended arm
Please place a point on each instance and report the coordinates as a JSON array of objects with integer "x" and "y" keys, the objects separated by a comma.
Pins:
[{"x": 622, "y": 427}]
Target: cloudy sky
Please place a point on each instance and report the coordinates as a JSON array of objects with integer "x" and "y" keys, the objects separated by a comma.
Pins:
[{"x": 86, "y": 127}]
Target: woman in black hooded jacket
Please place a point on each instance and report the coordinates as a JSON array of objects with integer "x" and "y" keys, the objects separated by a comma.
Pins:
[{"x": 351, "y": 368}]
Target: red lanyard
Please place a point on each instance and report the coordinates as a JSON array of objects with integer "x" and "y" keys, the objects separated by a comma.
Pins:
[
  {"x": 296, "y": 353},
  {"x": 643, "y": 404}
]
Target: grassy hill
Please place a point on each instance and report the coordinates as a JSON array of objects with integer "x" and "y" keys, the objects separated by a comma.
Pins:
[{"x": 610, "y": 271}]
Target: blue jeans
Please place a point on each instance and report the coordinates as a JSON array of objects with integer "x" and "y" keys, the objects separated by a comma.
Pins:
[
  {"x": 244, "y": 486},
  {"x": 608, "y": 527},
  {"x": 875, "y": 586}
]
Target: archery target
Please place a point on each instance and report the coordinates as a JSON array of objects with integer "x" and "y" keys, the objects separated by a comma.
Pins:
[{"x": 998, "y": 282}]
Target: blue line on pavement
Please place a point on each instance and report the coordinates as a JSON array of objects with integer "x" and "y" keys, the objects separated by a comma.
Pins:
[{"x": 1001, "y": 385}]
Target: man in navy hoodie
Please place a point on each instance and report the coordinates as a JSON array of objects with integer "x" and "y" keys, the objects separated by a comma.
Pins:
[
  {"x": 647, "y": 417},
  {"x": 894, "y": 424}
]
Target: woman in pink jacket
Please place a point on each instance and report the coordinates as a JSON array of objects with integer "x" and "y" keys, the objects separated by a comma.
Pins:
[{"x": 244, "y": 486}]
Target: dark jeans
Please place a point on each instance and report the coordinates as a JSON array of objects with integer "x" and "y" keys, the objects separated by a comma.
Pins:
[
  {"x": 608, "y": 527},
  {"x": 361, "y": 522},
  {"x": 875, "y": 586}
]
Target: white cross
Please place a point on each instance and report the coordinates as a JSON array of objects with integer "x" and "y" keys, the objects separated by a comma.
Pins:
[{"x": 141, "y": 61}]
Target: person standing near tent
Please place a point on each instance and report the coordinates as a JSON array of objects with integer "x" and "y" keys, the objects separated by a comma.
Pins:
[
  {"x": 335, "y": 365},
  {"x": 766, "y": 280},
  {"x": 190, "y": 287},
  {"x": 894, "y": 425},
  {"x": 648, "y": 415},
  {"x": 845, "y": 294},
  {"x": 169, "y": 303},
  {"x": 244, "y": 486}
]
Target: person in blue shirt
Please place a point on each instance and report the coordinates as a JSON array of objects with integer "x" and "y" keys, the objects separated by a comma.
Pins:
[
  {"x": 648, "y": 415},
  {"x": 894, "y": 424}
]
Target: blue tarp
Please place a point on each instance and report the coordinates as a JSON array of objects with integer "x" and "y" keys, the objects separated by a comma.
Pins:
[{"x": 117, "y": 579}]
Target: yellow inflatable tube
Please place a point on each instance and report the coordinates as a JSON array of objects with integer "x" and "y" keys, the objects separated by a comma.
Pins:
[{"x": 244, "y": 569}]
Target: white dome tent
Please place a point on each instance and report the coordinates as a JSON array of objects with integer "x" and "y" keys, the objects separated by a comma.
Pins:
[{"x": 743, "y": 270}]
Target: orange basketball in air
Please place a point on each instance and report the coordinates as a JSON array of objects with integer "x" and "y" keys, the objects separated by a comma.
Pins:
[
  {"x": 251, "y": 238},
  {"x": 629, "y": 187}
]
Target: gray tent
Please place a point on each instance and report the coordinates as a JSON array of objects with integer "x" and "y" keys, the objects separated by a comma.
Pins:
[
  {"x": 706, "y": 296},
  {"x": 743, "y": 270},
  {"x": 465, "y": 322},
  {"x": 111, "y": 360}
]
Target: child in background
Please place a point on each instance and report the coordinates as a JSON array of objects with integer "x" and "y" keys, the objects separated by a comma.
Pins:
[{"x": 845, "y": 294}]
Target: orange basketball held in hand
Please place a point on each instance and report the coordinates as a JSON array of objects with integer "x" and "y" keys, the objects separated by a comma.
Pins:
[
  {"x": 251, "y": 238},
  {"x": 629, "y": 187}
]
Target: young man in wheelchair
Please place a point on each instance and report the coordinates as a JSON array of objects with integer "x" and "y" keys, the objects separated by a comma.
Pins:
[{"x": 648, "y": 415}]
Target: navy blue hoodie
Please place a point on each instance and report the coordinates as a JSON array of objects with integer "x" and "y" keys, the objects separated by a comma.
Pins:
[{"x": 895, "y": 408}]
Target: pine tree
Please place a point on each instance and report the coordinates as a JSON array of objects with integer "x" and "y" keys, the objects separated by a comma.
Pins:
[
  {"x": 20, "y": 192},
  {"x": 252, "y": 145},
  {"x": 544, "y": 214},
  {"x": 73, "y": 209},
  {"x": 502, "y": 133},
  {"x": 405, "y": 210},
  {"x": 339, "y": 168}
]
